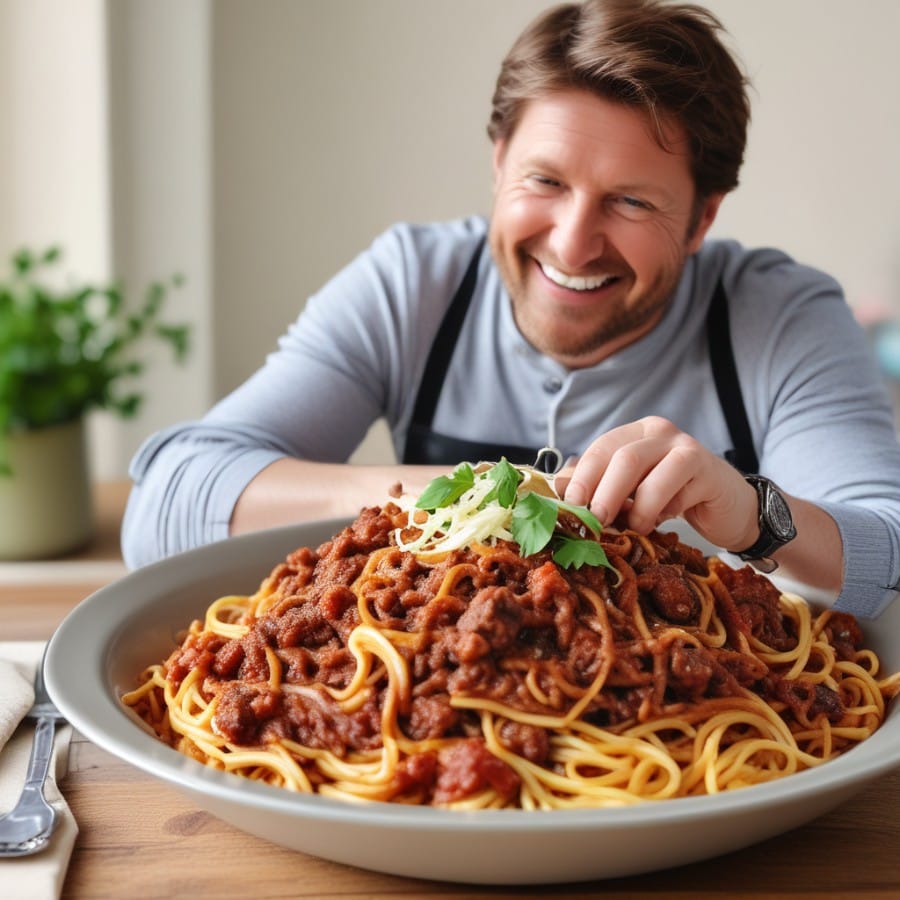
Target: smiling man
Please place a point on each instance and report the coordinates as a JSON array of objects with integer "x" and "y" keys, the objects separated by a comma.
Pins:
[
  {"x": 688, "y": 377},
  {"x": 593, "y": 221}
]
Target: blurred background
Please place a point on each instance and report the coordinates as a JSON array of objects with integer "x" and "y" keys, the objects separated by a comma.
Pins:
[{"x": 256, "y": 147}]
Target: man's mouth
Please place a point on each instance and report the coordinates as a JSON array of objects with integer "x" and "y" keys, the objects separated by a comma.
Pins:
[{"x": 576, "y": 282}]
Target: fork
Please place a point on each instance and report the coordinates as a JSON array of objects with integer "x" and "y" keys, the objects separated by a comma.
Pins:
[{"x": 28, "y": 826}]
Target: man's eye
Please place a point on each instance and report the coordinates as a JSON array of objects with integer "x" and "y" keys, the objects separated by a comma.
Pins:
[
  {"x": 545, "y": 181},
  {"x": 631, "y": 207}
]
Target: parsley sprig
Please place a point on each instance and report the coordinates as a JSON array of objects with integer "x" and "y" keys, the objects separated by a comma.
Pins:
[{"x": 534, "y": 520}]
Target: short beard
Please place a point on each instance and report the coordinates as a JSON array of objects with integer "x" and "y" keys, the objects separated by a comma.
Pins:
[
  {"x": 577, "y": 347},
  {"x": 572, "y": 346}
]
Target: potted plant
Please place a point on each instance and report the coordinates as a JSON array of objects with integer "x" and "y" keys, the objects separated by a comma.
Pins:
[{"x": 65, "y": 349}]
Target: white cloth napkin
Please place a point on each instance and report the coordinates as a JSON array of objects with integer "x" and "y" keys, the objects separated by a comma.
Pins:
[{"x": 41, "y": 875}]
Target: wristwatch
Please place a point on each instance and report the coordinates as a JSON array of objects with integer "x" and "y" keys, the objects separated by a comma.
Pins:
[{"x": 776, "y": 526}]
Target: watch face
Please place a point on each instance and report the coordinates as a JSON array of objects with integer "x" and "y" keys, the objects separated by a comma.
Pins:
[{"x": 778, "y": 515}]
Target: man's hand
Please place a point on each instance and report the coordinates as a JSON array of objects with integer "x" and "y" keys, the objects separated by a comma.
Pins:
[{"x": 648, "y": 471}]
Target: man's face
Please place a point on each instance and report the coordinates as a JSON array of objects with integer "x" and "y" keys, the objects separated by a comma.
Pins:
[{"x": 591, "y": 224}]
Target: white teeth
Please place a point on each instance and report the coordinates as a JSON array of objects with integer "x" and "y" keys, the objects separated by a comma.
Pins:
[{"x": 575, "y": 282}]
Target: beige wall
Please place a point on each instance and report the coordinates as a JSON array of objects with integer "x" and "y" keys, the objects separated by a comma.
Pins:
[
  {"x": 257, "y": 146},
  {"x": 334, "y": 119},
  {"x": 53, "y": 111},
  {"x": 821, "y": 177}
]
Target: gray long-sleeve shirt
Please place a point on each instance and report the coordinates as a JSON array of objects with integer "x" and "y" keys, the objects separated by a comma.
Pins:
[{"x": 818, "y": 409}]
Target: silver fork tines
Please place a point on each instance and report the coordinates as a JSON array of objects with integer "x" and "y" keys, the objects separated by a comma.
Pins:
[{"x": 28, "y": 826}]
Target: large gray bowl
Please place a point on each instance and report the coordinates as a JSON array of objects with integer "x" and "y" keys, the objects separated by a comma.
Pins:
[{"x": 95, "y": 654}]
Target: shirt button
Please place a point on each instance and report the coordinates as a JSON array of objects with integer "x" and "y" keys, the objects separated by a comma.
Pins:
[{"x": 553, "y": 385}]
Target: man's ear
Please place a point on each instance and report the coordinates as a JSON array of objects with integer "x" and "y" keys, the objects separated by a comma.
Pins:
[{"x": 708, "y": 211}]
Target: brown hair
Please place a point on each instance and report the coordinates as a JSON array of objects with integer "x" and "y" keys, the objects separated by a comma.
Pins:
[{"x": 666, "y": 59}]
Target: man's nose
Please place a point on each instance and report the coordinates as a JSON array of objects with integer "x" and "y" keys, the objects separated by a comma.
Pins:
[{"x": 578, "y": 236}]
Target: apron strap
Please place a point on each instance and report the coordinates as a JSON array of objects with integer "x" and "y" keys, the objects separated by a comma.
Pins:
[
  {"x": 728, "y": 386},
  {"x": 444, "y": 344},
  {"x": 425, "y": 446}
]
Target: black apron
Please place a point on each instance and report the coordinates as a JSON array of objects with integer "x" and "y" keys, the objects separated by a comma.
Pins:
[{"x": 426, "y": 446}]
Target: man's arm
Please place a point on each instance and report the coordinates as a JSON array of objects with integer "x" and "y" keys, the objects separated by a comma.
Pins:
[
  {"x": 351, "y": 357},
  {"x": 292, "y": 490}
]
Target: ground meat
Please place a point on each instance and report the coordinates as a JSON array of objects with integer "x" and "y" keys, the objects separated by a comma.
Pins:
[
  {"x": 255, "y": 665},
  {"x": 669, "y": 593},
  {"x": 299, "y": 665},
  {"x": 495, "y": 614},
  {"x": 430, "y": 717},
  {"x": 757, "y": 601},
  {"x": 585, "y": 655},
  {"x": 304, "y": 624},
  {"x": 747, "y": 670},
  {"x": 809, "y": 700},
  {"x": 468, "y": 767},
  {"x": 197, "y": 652},
  {"x": 336, "y": 601},
  {"x": 315, "y": 720},
  {"x": 522, "y": 633},
  {"x": 529, "y": 741},
  {"x": 844, "y": 634},
  {"x": 691, "y": 669},
  {"x": 228, "y": 659},
  {"x": 242, "y": 711},
  {"x": 416, "y": 775}
]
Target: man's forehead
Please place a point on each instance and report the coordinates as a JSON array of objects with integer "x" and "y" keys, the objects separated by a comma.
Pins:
[{"x": 561, "y": 125}]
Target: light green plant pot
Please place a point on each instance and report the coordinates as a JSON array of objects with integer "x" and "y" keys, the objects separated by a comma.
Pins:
[{"x": 45, "y": 505}]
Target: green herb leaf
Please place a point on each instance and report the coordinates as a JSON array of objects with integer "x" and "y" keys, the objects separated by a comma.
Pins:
[
  {"x": 535, "y": 518},
  {"x": 571, "y": 552},
  {"x": 445, "y": 489},
  {"x": 585, "y": 515},
  {"x": 506, "y": 478},
  {"x": 533, "y": 523}
]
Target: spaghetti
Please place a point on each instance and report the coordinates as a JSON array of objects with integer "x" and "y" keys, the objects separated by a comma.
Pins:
[{"x": 476, "y": 677}]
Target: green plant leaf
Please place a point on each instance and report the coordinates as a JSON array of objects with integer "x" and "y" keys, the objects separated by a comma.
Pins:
[
  {"x": 584, "y": 515},
  {"x": 65, "y": 351},
  {"x": 445, "y": 489},
  {"x": 178, "y": 337},
  {"x": 533, "y": 522},
  {"x": 127, "y": 407},
  {"x": 506, "y": 478},
  {"x": 572, "y": 552},
  {"x": 23, "y": 261}
]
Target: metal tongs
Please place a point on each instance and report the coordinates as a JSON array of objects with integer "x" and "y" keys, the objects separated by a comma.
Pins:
[{"x": 549, "y": 460}]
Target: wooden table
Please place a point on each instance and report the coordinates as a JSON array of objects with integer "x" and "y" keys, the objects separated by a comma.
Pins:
[{"x": 140, "y": 837}]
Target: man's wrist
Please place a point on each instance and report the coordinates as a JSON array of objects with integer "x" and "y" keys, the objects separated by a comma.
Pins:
[{"x": 775, "y": 524}]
